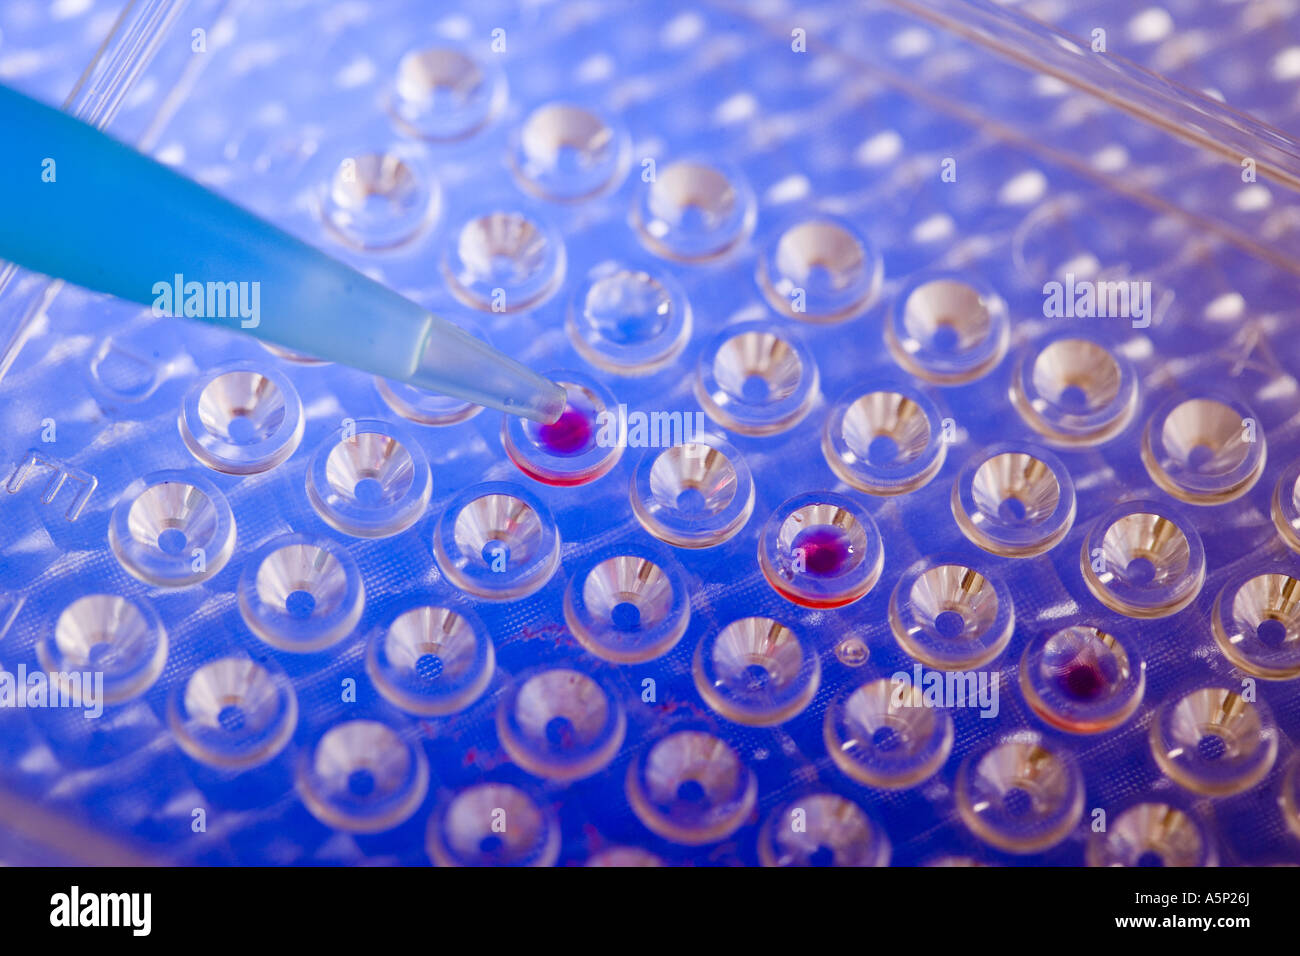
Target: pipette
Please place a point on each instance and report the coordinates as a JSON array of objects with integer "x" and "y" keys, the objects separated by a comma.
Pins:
[{"x": 78, "y": 205}]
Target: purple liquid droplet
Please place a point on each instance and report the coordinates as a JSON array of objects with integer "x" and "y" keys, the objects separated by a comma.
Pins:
[
  {"x": 1082, "y": 681},
  {"x": 826, "y": 551},
  {"x": 569, "y": 435}
]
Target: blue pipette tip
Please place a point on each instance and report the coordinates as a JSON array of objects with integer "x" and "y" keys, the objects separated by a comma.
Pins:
[{"x": 454, "y": 362}]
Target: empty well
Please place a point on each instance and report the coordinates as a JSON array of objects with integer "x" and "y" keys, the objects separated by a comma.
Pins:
[
  {"x": 369, "y": 480},
  {"x": 1143, "y": 559},
  {"x": 756, "y": 378},
  {"x": 628, "y": 320},
  {"x": 1214, "y": 741},
  {"x": 756, "y": 671},
  {"x": 379, "y": 200},
  {"x": 822, "y": 829},
  {"x": 1014, "y": 500},
  {"x": 362, "y": 777},
  {"x": 884, "y": 441},
  {"x": 628, "y": 604},
  {"x": 443, "y": 93},
  {"x": 497, "y": 541},
  {"x": 694, "y": 495},
  {"x": 695, "y": 210},
  {"x": 1285, "y": 507},
  {"x": 241, "y": 420},
  {"x": 1023, "y": 795},
  {"x": 1256, "y": 623},
  {"x": 234, "y": 713},
  {"x": 690, "y": 787},
  {"x": 560, "y": 724},
  {"x": 567, "y": 153},
  {"x": 947, "y": 330},
  {"x": 1204, "y": 450},
  {"x": 504, "y": 260},
  {"x": 820, "y": 270},
  {"x": 881, "y": 734},
  {"x": 172, "y": 529},
  {"x": 1074, "y": 391},
  {"x": 493, "y": 824},
  {"x": 950, "y": 616},
  {"x": 431, "y": 660},
  {"x": 301, "y": 594},
  {"x": 104, "y": 633},
  {"x": 1152, "y": 833}
]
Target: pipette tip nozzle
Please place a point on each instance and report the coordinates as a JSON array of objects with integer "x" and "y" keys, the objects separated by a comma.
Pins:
[{"x": 456, "y": 363}]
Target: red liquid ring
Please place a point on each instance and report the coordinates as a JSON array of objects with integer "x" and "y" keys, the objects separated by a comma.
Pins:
[
  {"x": 827, "y": 553},
  {"x": 1100, "y": 691},
  {"x": 540, "y": 450}
]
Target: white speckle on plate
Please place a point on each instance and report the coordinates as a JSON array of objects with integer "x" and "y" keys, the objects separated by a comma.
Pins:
[
  {"x": 1286, "y": 65},
  {"x": 455, "y": 28},
  {"x": 789, "y": 189},
  {"x": 67, "y": 9},
  {"x": 173, "y": 154},
  {"x": 1152, "y": 24},
  {"x": 357, "y": 73},
  {"x": 879, "y": 149},
  {"x": 1226, "y": 307},
  {"x": 682, "y": 30},
  {"x": 736, "y": 108},
  {"x": 1252, "y": 198},
  {"x": 909, "y": 43},
  {"x": 1110, "y": 159},
  {"x": 1084, "y": 265},
  {"x": 934, "y": 228},
  {"x": 1023, "y": 188},
  {"x": 594, "y": 69}
]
